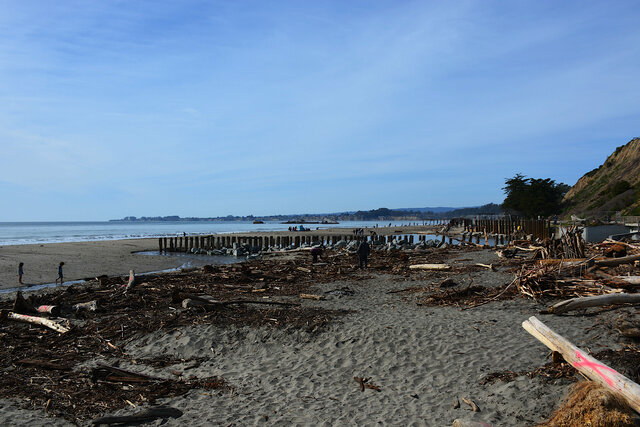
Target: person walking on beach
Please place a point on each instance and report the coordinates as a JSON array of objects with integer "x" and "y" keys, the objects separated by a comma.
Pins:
[
  {"x": 60, "y": 275},
  {"x": 363, "y": 253},
  {"x": 315, "y": 253},
  {"x": 20, "y": 273}
]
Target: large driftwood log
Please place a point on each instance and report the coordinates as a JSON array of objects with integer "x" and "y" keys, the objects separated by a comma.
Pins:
[
  {"x": 35, "y": 321},
  {"x": 147, "y": 415},
  {"x": 632, "y": 280},
  {"x": 612, "y": 262},
  {"x": 590, "y": 367},
  {"x": 430, "y": 267},
  {"x": 594, "y": 301}
]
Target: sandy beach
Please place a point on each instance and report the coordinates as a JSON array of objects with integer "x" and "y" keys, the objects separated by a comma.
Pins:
[
  {"x": 422, "y": 357},
  {"x": 82, "y": 260}
]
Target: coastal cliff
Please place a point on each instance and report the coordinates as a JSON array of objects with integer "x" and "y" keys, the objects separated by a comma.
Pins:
[{"x": 613, "y": 186}]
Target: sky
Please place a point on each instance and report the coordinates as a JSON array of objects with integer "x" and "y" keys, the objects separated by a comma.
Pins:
[{"x": 114, "y": 108}]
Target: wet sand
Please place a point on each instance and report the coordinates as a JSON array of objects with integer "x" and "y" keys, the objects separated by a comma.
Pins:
[{"x": 82, "y": 260}]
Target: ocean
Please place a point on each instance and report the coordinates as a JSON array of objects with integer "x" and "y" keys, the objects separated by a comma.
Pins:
[{"x": 23, "y": 233}]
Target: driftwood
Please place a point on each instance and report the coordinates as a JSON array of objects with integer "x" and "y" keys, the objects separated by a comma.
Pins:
[
  {"x": 594, "y": 301},
  {"x": 564, "y": 263},
  {"x": 430, "y": 267},
  {"x": 490, "y": 266},
  {"x": 85, "y": 306},
  {"x": 312, "y": 296},
  {"x": 113, "y": 374},
  {"x": 590, "y": 367},
  {"x": 474, "y": 407},
  {"x": 364, "y": 383},
  {"x": 632, "y": 280},
  {"x": 612, "y": 262},
  {"x": 372, "y": 387},
  {"x": 207, "y": 300},
  {"x": 53, "y": 310},
  {"x": 628, "y": 328},
  {"x": 468, "y": 423},
  {"x": 190, "y": 303},
  {"x": 148, "y": 415},
  {"x": 35, "y": 321},
  {"x": 132, "y": 280}
]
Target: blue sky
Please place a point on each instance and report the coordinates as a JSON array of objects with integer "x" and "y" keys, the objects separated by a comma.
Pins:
[{"x": 207, "y": 108}]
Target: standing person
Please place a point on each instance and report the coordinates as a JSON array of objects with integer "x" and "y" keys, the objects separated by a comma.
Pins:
[
  {"x": 363, "y": 253},
  {"x": 315, "y": 253},
  {"x": 60, "y": 276},
  {"x": 20, "y": 273}
]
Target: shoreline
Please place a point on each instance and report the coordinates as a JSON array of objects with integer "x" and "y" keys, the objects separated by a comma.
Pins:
[{"x": 89, "y": 259}]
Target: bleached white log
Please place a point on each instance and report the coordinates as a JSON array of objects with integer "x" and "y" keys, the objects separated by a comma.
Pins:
[
  {"x": 590, "y": 367},
  {"x": 38, "y": 321},
  {"x": 430, "y": 267}
]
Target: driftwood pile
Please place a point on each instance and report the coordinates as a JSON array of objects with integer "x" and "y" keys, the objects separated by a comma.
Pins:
[{"x": 46, "y": 362}]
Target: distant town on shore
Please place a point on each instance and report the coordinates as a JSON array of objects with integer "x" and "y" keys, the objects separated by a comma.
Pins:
[{"x": 381, "y": 214}]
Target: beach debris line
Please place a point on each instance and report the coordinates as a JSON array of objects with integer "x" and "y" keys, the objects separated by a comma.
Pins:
[
  {"x": 592, "y": 368},
  {"x": 147, "y": 307}
]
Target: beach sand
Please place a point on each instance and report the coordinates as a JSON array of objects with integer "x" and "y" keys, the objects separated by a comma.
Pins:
[
  {"x": 421, "y": 357},
  {"x": 82, "y": 260}
]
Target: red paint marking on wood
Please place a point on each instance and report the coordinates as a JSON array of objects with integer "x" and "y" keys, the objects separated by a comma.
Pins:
[{"x": 595, "y": 366}]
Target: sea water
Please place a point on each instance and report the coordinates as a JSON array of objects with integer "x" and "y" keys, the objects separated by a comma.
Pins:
[{"x": 22, "y": 233}]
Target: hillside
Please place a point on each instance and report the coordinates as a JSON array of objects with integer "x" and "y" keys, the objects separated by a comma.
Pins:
[{"x": 613, "y": 186}]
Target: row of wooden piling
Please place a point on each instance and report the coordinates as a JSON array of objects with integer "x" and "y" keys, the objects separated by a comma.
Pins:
[
  {"x": 219, "y": 241},
  {"x": 538, "y": 228}
]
